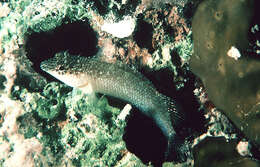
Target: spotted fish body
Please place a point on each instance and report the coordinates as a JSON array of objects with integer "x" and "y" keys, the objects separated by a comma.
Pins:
[{"x": 117, "y": 80}]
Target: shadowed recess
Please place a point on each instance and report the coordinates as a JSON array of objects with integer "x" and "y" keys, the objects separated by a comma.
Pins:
[
  {"x": 144, "y": 138},
  {"x": 102, "y": 6},
  {"x": 2, "y": 81},
  {"x": 189, "y": 10},
  {"x": 143, "y": 35},
  {"x": 76, "y": 38}
]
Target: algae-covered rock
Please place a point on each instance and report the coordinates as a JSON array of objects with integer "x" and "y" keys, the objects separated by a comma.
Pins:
[
  {"x": 52, "y": 104},
  {"x": 221, "y": 59},
  {"x": 83, "y": 132}
]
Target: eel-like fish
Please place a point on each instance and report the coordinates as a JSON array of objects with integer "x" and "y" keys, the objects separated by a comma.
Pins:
[{"x": 120, "y": 81}]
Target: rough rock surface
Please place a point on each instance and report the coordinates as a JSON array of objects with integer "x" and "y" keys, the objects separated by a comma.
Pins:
[
  {"x": 223, "y": 60},
  {"x": 219, "y": 152}
]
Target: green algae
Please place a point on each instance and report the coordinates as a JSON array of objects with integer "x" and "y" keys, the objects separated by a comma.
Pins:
[
  {"x": 163, "y": 57},
  {"x": 87, "y": 132},
  {"x": 39, "y": 121},
  {"x": 39, "y": 16},
  {"x": 45, "y": 15},
  {"x": 184, "y": 48},
  {"x": 52, "y": 102},
  {"x": 48, "y": 104},
  {"x": 95, "y": 137},
  {"x": 24, "y": 121}
]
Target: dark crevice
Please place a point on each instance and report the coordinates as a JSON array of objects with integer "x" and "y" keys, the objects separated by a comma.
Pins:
[
  {"x": 101, "y": 6},
  {"x": 144, "y": 138},
  {"x": 190, "y": 9},
  {"x": 143, "y": 35},
  {"x": 2, "y": 82},
  {"x": 76, "y": 38}
]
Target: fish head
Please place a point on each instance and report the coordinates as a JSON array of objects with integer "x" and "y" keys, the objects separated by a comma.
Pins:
[{"x": 64, "y": 67}]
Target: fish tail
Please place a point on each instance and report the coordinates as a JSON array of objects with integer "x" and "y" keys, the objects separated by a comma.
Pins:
[
  {"x": 168, "y": 119},
  {"x": 177, "y": 149}
]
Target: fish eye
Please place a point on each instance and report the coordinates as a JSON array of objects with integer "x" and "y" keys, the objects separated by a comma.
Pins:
[{"x": 61, "y": 68}]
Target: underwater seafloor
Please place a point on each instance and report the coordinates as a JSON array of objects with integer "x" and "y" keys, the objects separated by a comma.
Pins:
[{"x": 203, "y": 53}]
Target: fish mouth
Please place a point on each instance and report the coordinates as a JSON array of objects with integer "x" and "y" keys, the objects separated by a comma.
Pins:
[
  {"x": 44, "y": 66},
  {"x": 49, "y": 65}
]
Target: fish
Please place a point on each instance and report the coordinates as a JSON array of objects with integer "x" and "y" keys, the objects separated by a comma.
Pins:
[{"x": 119, "y": 80}]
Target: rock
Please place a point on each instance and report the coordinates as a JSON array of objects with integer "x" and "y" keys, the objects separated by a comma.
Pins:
[
  {"x": 221, "y": 59},
  {"x": 218, "y": 152}
]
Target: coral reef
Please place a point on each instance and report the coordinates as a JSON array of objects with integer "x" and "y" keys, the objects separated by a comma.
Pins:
[
  {"x": 45, "y": 123},
  {"x": 224, "y": 62},
  {"x": 82, "y": 132},
  {"x": 52, "y": 123}
]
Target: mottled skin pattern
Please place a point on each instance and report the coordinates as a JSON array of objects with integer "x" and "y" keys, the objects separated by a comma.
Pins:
[{"x": 120, "y": 81}]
